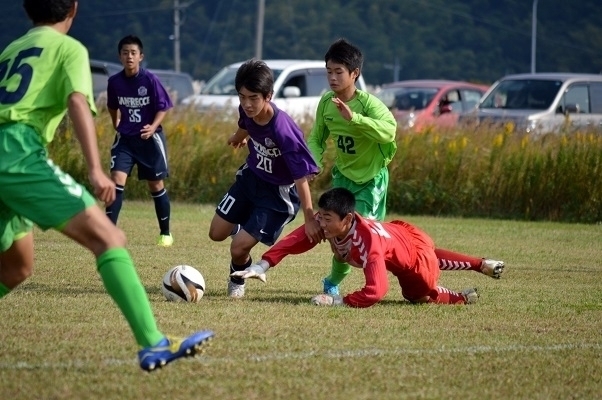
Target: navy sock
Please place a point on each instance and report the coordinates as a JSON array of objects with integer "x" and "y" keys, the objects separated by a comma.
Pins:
[
  {"x": 234, "y": 267},
  {"x": 113, "y": 210},
  {"x": 162, "y": 209}
]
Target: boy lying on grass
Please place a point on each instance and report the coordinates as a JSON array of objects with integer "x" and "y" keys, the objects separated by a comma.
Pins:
[{"x": 376, "y": 247}]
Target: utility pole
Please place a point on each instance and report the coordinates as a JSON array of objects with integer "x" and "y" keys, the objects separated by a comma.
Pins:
[
  {"x": 176, "y": 35},
  {"x": 533, "y": 35},
  {"x": 396, "y": 67},
  {"x": 259, "y": 32},
  {"x": 177, "y": 22}
]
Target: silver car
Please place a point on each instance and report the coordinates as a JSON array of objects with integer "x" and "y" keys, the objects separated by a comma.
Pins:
[{"x": 542, "y": 103}]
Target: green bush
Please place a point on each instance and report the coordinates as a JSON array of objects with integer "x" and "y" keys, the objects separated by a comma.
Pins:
[{"x": 473, "y": 173}]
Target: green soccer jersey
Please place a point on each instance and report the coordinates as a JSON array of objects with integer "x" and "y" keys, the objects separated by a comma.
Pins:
[
  {"x": 364, "y": 145},
  {"x": 38, "y": 72}
]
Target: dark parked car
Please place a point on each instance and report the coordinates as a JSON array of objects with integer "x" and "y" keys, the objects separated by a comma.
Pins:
[
  {"x": 419, "y": 104},
  {"x": 178, "y": 84},
  {"x": 101, "y": 70}
]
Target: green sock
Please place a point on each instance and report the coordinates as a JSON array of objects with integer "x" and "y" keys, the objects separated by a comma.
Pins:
[
  {"x": 338, "y": 272},
  {"x": 121, "y": 280},
  {"x": 3, "y": 290}
]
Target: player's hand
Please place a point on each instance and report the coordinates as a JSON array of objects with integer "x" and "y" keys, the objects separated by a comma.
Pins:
[
  {"x": 327, "y": 300},
  {"x": 104, "y": 187},
  {"x": 343, "y": 108},
  {"x": 147, "y": 131},
  {"x": 237, "y": 144},
  {"x": 255, "y": 271},
  {"x": 314, "y": 232}
]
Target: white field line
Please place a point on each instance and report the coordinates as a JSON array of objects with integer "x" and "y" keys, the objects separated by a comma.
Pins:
[{"x": 207, "y": 360}]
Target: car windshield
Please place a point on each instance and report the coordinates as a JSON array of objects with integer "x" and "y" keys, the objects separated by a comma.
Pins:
[
  {"x": 223, "y": 82},
  {"x": 407, "y": 98},
  {"x": 522, "y": 94}
]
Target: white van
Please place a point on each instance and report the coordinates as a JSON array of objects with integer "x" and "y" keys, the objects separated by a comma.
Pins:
[
  {"x": 542, "y": 102},
  {"x": 298, "y": 86}
]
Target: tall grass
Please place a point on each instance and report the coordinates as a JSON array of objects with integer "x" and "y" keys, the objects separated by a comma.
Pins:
[
  {"x": 484, "y": 172},
  {"x": 498, "y": 173}
]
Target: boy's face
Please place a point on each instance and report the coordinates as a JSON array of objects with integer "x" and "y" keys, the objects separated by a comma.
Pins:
[
  {"x": 333, "y": 225},
  {"x": 130, "y": 57},
  {"x": 252, "y": 103},
  {"x": 339, "y": 77}
]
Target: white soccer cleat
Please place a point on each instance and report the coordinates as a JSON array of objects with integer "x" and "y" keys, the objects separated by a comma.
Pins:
[
  {"x": 470, "y": 295},
  {"x": 235, "y": 290},
  {"x": 492, "y": 268}
]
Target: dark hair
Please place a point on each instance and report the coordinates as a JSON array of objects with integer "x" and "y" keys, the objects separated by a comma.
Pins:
[
  {"x": 256, "y": 77},
  {"x": 338, "y": 200},
  {"x": 343, "y": 52},
  {"x": 129, "y": 39},
  {"x": 47, "y": 11}
]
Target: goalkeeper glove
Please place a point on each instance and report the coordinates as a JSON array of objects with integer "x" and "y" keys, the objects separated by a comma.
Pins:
[
  {"x": 255, "y": 271},
  {"x": 327, "y": 300}
]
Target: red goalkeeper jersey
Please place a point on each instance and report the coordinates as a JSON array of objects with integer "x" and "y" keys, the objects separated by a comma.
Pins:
[{"x": 375, "y": 247}]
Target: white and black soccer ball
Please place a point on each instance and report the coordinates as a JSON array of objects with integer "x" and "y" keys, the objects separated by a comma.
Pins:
[{"x": 183, "y": 283}]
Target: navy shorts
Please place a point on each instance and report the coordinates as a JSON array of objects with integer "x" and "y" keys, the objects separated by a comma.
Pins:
[
  {"x": 261, "y": 208},
  {"x": 149, "y": 155}
]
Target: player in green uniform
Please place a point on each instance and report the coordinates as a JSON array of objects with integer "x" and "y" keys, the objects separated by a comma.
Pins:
[
  {"x": 363, "y": 130},
  {"x": 44, "y": 74}
]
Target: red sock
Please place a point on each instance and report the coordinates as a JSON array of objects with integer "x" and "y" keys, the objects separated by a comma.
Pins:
[
  {"x": 449, "y": 260},
  {"x": 446, "y": 296}
]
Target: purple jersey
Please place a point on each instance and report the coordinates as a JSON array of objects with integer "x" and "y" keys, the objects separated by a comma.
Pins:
[
  {"x": 138, "y": 98},
  {"x": 278, "y": 153}
]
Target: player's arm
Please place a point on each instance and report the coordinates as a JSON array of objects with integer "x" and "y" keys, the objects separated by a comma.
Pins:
[
  {"x": 377, "y": 123},
  {"x": 239, "y": 138},
  {"x": 316, "y": 141},
  {"x": 85, "y": 131},
  {"x": 375, "y": 288},
  {"x": 161, "y": 103},
  {"x": 312, "y": 227},
  {"x": 373, "y": 291},
  {"x": 375, "y": 274},
  {"x": 295, "y": 242},
  {"x": 149, "y": 130},
  {"x": 113, "y": 104},
  {"x": 114, "y": 117}
]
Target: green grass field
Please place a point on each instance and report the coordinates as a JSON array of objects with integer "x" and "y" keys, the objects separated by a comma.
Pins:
[{"x": 535, "y": 334}]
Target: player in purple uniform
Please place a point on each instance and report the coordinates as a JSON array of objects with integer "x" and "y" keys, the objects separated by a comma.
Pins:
[
  {"x": 274, "y": 181},
  {"x": 138, "y": 102}
]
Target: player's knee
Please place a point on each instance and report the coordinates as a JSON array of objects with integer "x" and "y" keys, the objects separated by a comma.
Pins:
[
  {"x": 213, "y": 235},
  {"x": 101, "y": 240},
  {"x": 218, "y": 235},
  {"x": 25, "y": 272},
  {"x": 13, "y": 276},
  {"x": 116, "y": 238}
]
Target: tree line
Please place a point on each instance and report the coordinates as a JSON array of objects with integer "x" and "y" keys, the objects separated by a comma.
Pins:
[{"x": 475, "y": 40}]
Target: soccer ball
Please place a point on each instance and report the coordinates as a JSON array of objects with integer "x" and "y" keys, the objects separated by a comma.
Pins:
[{"x": 183, "y": 283}]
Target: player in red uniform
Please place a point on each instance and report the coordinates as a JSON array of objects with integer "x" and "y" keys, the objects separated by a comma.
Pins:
[{"x": 376, "y": 247}]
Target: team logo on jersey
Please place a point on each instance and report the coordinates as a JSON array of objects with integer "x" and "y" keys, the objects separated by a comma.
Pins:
[
  {"x": 272, "y": 152},
  {"x": 269, "y": 143},
  {"x": 142, "y": 91}
]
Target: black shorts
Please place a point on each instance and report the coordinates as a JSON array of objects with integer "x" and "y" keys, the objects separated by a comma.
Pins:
[
  {"x": 261, "y": 208},
  {"x": 150, "y": 155}
]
